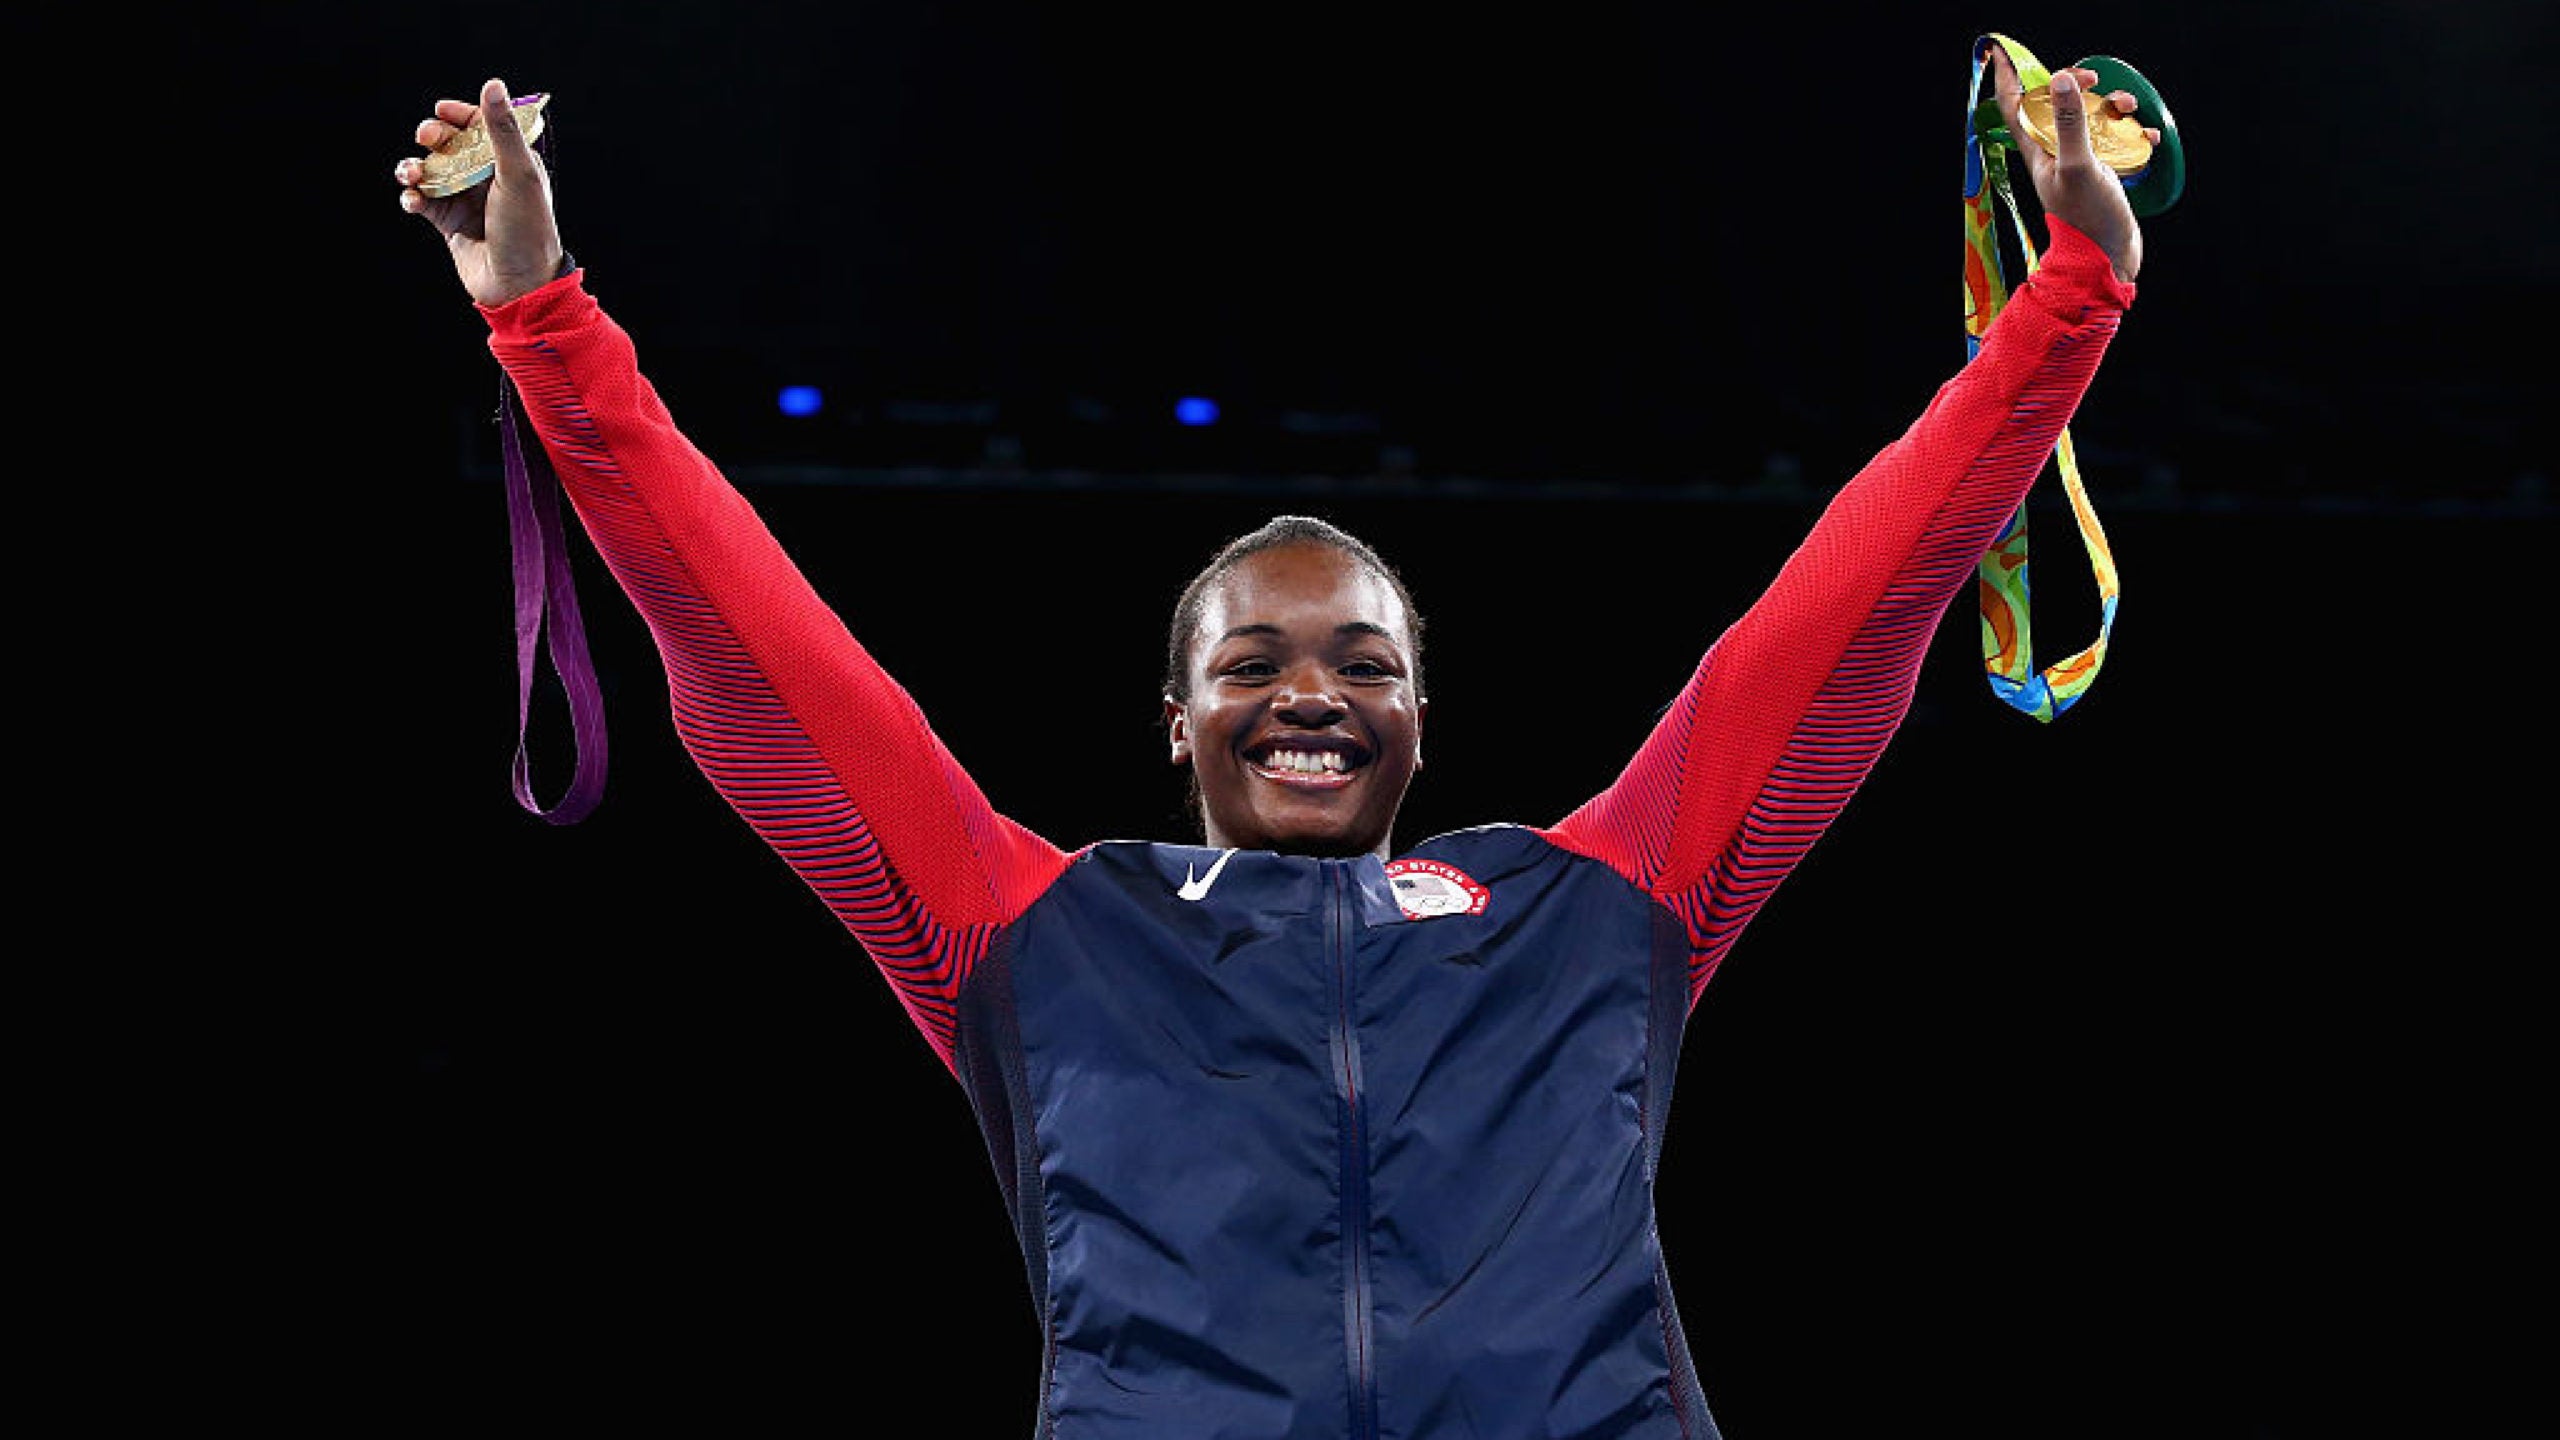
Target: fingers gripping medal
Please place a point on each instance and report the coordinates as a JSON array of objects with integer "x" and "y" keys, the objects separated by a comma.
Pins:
[
  {"x": 468, "y": 157},
  {"x": 2153, "y": 174}
]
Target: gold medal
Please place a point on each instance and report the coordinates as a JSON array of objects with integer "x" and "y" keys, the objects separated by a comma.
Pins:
[
  {"x": 467, "y": 158},
  {"x": 2117, "y": 140}
]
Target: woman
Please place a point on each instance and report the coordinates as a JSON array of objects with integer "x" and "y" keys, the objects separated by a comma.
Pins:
[{"x": 1304, "y": 1135}]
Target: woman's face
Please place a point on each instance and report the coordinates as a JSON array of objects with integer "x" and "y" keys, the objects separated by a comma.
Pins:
[{"x": 1303, "y": 728}]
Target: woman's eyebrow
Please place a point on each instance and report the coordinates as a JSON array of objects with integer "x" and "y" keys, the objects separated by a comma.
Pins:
[{"x": 1347, "y": 627}]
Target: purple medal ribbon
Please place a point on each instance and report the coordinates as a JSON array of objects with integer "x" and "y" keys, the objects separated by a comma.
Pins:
[{"x": 545, "y": 590}]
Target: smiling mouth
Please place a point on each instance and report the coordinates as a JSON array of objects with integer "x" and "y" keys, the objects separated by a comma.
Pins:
[{"x": 1305, "y": 769}]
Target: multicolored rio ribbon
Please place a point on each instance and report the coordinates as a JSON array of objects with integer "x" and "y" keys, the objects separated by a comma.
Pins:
[{"x": 2153, "y": 179}]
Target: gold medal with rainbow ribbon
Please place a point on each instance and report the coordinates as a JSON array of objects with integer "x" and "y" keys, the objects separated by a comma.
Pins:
[{"x": 2154, "y": 175}]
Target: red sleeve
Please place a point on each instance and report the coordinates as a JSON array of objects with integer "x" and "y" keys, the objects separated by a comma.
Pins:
[
  {"x": 793, "y": 722},
  {"x": 1789, "y": 709}
]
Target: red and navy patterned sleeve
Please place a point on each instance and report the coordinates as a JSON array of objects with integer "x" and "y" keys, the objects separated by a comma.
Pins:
[
  {"x": 1789, "y": 709},
  {"x": 793, "y": 722}
]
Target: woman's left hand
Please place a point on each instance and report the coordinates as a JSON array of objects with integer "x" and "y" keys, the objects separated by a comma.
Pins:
[{"x": 2070, "y": 183}]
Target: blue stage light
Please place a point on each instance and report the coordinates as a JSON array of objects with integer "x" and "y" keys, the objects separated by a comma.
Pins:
[
  {"x": 801, "y": 400},
  {"x": 1193, "y": 410}
]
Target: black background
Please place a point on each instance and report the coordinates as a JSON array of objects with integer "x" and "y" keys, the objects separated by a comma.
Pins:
[{"x": 2168, "y": 1068}]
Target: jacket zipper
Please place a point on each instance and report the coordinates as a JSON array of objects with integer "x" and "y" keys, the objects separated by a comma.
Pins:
[{"x": 1355, "y": 1164}]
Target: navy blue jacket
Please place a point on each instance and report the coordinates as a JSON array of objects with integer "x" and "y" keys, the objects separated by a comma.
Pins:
[{"x": 1290, "y": 1163}]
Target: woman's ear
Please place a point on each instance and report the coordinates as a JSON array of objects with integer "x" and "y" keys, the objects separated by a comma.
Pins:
[{"x": 1177, "y": 728}]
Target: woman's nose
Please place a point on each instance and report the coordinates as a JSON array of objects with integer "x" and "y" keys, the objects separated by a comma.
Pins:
[{"x": 1305, "y": 698}]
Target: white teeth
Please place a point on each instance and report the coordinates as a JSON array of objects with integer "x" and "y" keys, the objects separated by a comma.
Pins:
[{"x": 1307, "y": 762}]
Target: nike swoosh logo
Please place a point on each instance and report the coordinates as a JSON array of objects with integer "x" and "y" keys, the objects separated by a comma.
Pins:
[{"x": 1199, "y": 889}]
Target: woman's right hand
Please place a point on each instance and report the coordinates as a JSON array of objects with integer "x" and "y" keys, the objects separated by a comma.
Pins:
[{"x": 504, "y": 239}]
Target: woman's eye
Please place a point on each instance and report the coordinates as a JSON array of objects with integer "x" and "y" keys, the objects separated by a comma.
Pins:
[
  {"x": 1251, "y": 670},
  {"x": 1366, "y": 670}
]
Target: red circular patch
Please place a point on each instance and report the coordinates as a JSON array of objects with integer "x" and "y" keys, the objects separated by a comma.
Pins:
[{"x": 1429, "y": 889}]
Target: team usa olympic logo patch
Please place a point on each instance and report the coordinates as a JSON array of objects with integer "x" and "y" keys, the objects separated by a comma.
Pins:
[{"x": 1428, "y": 889}]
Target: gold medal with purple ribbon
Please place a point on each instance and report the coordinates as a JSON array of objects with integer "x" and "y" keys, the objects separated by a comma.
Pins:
[{"x": 467, "y": 158}]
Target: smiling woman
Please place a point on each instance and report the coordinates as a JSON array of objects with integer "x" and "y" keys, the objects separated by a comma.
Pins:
[
  {"x": 1293, "y": 692},
  {"x": 1302, "y": 1133}
]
